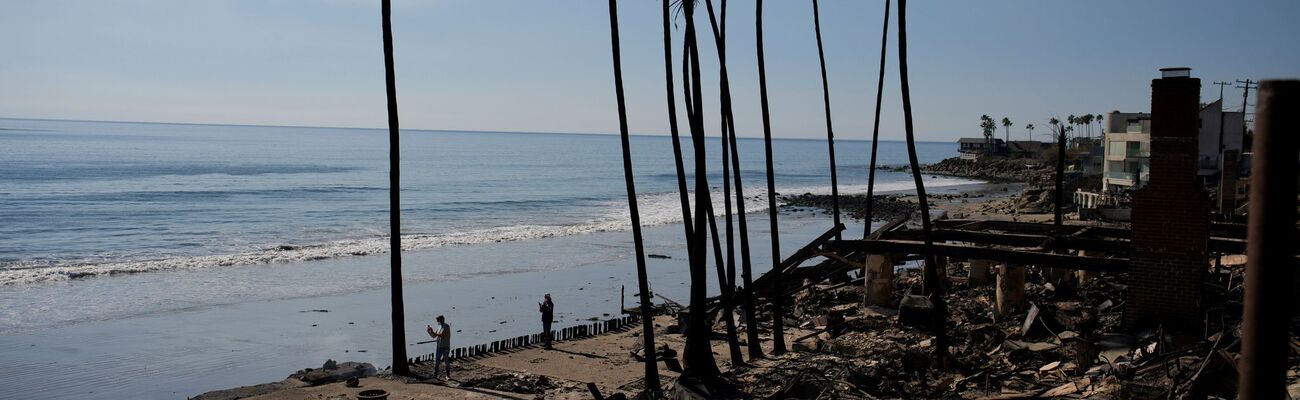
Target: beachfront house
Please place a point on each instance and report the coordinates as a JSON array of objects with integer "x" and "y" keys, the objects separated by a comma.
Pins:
[
  {"x": 1128, "y": 151},
  {"x": 976, "y": 148}
]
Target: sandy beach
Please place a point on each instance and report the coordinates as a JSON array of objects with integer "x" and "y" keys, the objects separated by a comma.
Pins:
[
  {"x": 603, "y": 360},
  {"x": 182, "y": 351}
]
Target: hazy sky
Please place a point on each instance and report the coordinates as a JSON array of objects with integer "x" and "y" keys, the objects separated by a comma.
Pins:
[{"x": 544, "y": 65}]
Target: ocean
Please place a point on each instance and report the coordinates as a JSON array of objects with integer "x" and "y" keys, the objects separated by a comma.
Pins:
[
  {"x": 150, "y": 260},
  {"x": 84, "y": 199}
]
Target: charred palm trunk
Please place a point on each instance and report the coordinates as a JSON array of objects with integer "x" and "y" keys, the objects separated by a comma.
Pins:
[
  {"x": 1059, "y": 197},
  {"x": 672, "y": 128},
  {"x": 698, "y": 357},
  {"x": 746, "y": 266},
  {"x": 933, "y": 285},
  {"x": 830, "y": 132},
  {"x": 733, "y": 345},
  {"x": 875, "y": 130},
  {"x": 729, "y": 293},
  {"x": 778, "y": 328},
  {"x": 643, "y": 281},
  {"x": 394, "y": 204}
]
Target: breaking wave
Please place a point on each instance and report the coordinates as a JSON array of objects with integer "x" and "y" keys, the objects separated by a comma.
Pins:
[{"x": 655, "y": 209}]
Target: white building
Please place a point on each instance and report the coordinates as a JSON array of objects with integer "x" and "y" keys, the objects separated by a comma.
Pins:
[
  {"x": 1234, "y": 127},
  {"x": 1128, "y": 149},
  {"x": 1128, "y": 145}
]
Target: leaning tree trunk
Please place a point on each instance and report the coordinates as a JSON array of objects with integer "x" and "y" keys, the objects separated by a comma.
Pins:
[
  {"x": 394, "y": 205},
  {"x": 729, "y": 299},
  {"x": 751, "y": 320},
  {"x": 698, "y": 354},
  {"x": 933, "y": 284},
  {"x": 875, "y": 130},
  {"x": 778, "y": 328},
  {"x": 830, "y": 133},
  {"x": 643, "y": 281},
  {"x": 683, "y": 194},
  {"x": 724, "y": 284}
]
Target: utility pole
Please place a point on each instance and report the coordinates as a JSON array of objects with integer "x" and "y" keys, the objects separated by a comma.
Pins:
[
  {"x": 1246, "y": 86},
  {"x": 1221, "y": 107}
]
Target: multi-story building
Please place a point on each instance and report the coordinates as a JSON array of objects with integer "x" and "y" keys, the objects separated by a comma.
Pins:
[
  {"x": 1127, "y": 149},
  {"x": 1128, "y": 145},
  {"x": 1233, "y": 124}
]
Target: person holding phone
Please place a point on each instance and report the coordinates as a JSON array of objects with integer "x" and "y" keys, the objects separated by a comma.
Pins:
[{"x": 443, "y": 355}]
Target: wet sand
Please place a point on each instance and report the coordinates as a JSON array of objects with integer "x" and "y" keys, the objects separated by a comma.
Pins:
[{"x": 254, "y": 337}]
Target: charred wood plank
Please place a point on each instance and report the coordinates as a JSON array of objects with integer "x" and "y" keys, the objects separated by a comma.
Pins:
[{"x": 983, "y": 253}]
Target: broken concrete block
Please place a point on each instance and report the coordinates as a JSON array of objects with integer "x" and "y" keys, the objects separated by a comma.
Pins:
[{"x": 916, "y": 310}]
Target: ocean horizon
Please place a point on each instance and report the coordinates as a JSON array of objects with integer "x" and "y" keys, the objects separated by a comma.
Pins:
[{"x": 85, "y": 199}]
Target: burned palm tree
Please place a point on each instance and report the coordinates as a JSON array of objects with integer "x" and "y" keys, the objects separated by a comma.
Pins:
[
  {"x": 875, "y": 130},
  {"x": 1059, "y": 198},
  {"x": 643, "y": 281},
  {"x": 778, "y": 328},
  {"x": 729, "y": 148},
  {"x": 698, "y": 355},
  {"x": 933, "y": 285},
  {"x": 394, "y": 207},
  {"x": 830, "y": 133},
  {"x": 673, "y": 130},
  {"x": 727, "y": 280}
]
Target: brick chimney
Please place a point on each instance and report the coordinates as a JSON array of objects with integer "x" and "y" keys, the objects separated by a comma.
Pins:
[{"x": 1170, "y": 228}]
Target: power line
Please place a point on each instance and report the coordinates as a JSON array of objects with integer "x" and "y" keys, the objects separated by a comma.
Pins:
[{"x": 1246, "y": 86}]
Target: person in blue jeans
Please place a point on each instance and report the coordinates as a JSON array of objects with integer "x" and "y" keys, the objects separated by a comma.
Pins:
[{"x": 443, "y": 355}]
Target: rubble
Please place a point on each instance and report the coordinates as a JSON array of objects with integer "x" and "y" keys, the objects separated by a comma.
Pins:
[{"x": 1062, "y": 344}]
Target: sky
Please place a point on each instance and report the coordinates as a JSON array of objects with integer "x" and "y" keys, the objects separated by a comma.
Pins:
[{"x": 545, "y": 66}]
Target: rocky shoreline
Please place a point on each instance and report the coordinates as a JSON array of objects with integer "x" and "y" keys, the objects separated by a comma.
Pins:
[
  {"x": 1029, "y": 171},
  {"x": 884, "y": 207}
]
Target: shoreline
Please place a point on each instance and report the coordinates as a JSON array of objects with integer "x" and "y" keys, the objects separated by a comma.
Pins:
[
  {"x": 204, "y": 346},
  {"x": 582, "y": 267},
  {"x": 603, "y": 359}
]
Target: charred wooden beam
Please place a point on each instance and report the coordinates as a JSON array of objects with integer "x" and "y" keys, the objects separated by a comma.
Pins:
[
  {"x": 809, "y": 250},
  {"x": 983, "y": 253},
  {"x": 1042, "y": 242}
]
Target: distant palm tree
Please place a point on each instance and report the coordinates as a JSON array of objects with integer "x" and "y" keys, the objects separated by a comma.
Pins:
[
  {"x": 1006, "y": 125},
  {"x": 1030, "y": 128},
  {"x": 1100, "y": 127},
  {"x": 400, "y": 366},
  {"x": 987, "y": 126}
]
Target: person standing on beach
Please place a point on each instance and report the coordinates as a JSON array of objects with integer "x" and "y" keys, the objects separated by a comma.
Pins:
[
  {"x": 547, "y": 308},
  {"x": 443, "y": 355}
]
